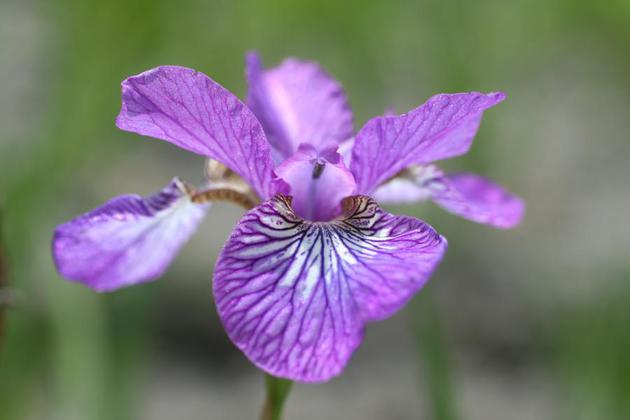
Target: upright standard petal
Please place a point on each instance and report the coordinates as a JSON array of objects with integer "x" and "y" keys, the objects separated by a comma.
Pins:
[
  {"x": 128, "y": 240},
  {"x": 298, "y": 102},
  {"x": 190, "y": 110},
  {"x": 441, "y": 128},
  {"x": 476, "y": 198},
  {"x": 295, "y": 296}
]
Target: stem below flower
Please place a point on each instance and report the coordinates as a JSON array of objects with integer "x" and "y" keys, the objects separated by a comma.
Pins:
[
  {"x": 277, "y": 393},
  {"x": 3, "y": 304},
  {"x": 433, "y": 353}
]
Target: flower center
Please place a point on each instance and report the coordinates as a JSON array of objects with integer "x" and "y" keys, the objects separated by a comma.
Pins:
[{"x": 317, "y": 180}]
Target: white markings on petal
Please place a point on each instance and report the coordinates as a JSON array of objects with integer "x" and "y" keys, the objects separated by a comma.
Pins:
[
  {"x": 128, "y": 240},
  {"x": 467, "y": 195},
  {"x": 297, "y": 301},
  {"x": 415, "y": 184}
]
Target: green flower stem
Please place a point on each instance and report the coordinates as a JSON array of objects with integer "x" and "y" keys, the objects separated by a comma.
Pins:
[
  {"x": 277, "y": 392},
  {"x": 434, "y": 357},
  {"x": 3, "y": 301}
]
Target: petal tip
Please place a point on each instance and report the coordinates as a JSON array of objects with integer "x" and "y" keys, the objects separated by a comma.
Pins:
[
  {"x": 253, "y": 57},
  {"x": 518, "y": 214},
  {"x": 498, "y": 97}
]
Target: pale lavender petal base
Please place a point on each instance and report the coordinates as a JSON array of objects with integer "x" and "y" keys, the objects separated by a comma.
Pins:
[
  {"x": 476, "y": 198},
  {"x": 401, "y": 191},
  {"x": 316, "y": 181},
  {"x": 295, "y": 296},
  {"x": 441, "y": 128},
  {"x": 345, "y": 150},
  {"x": 415, "y": 184},
  {"x": 192, "y": 111},
  {"x": 128, "y": 240},
  {"x": 298, "y": 102}
]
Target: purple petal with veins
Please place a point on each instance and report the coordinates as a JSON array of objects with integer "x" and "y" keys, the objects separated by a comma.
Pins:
[
  {"x": 298, "y": 102},
  {"x": 470, "y": 196},
  {"x": 295, "y": 296},
  {"x": 476, "y": 198},
  {"x": 128, "y": 240},
  {"x": 441, "y": 128},
  {"x": 190, "y": 110}
]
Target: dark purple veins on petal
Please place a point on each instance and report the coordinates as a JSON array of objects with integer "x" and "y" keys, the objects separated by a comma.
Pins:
[{"x": 295, "y": 296}]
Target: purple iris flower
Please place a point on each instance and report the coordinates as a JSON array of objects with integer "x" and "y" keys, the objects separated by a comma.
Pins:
[{"x": 315, "y": 258}]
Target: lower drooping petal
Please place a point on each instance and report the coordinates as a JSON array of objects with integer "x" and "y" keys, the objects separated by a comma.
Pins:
[
  {"x": 467, "y": 195},
  {"x": 295, "y": 296},
  {"x": 128, "y": 240},
  {"x": 476, "y": 198}
]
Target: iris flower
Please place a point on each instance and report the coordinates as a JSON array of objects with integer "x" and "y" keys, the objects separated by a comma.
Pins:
[{"x": 315, "y": 258}]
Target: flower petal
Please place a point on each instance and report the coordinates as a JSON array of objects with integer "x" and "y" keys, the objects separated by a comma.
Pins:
[
  {"x": 470, "y": 196},
  {"x": 298, "y": 102},
  {"x": 317, "y": 181},
  {"x": 190, "y": 110},
  {"x": 345, "y": 150},
  {"x": 401, "y": 191},
  {"x": 441, "y": 128},
  {"x": 476, "y": 198},
  {"x": 295, "y": 296},
  {"x": 414, "y": 184},
  {"x": 128, "y": 240}
]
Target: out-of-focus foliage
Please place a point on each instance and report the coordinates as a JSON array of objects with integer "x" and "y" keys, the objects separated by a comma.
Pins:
[{"x": 531, "y": 323}]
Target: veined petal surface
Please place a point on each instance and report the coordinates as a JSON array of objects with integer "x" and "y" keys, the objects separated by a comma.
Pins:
[
  {"x": 441, "y": 128},
  {"x": 128, "y": 240},
  {"x": 476, "y": 198},
  {"x": 467, "y": 195},
  {"x": 298, "y": 102},
  {"x": 295, "y": 296},
  {"x": 192, "y": 111}
]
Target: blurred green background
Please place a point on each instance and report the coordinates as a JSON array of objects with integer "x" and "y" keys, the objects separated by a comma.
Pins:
[{"x": 532, "y": 323}]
